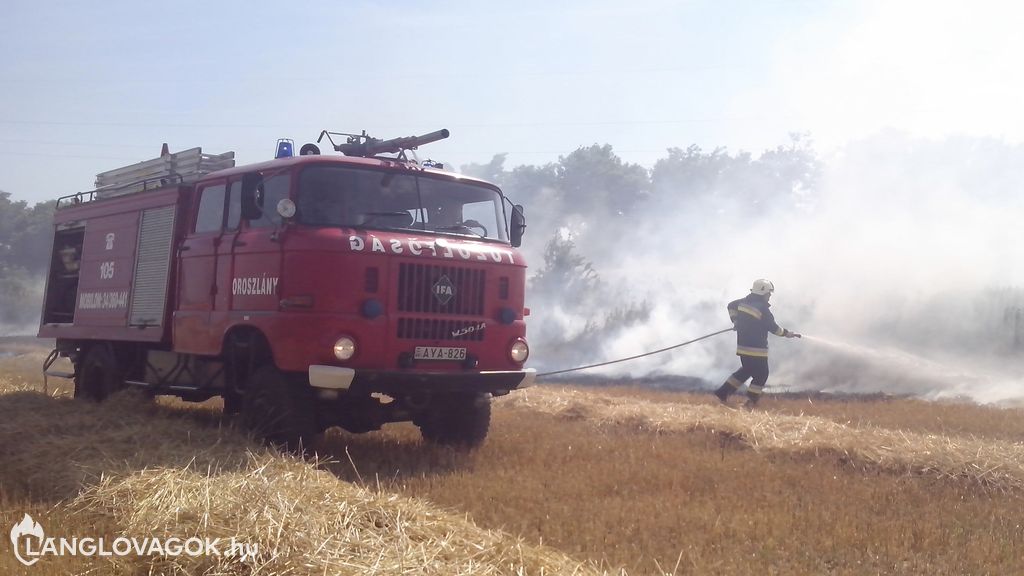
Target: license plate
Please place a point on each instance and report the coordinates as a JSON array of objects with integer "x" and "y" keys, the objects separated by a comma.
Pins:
[{"x": 439, "y": 353}]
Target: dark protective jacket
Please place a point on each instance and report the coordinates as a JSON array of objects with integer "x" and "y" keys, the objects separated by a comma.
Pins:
[{"x": 753, "y": 321}]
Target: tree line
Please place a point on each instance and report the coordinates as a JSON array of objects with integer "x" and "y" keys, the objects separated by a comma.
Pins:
[{"x": 25, "y": 236}]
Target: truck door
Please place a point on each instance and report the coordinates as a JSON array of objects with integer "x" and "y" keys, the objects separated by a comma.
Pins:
[
  {"x": 258, "y": 252},
  {"x": 197, "y": 273},
  {"x": 225, "y": 256}
]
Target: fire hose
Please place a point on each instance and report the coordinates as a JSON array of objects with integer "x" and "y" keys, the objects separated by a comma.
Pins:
[{"x": 651, "y": 353}]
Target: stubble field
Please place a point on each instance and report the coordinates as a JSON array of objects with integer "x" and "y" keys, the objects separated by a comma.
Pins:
[{"x": 569, "y": 481}]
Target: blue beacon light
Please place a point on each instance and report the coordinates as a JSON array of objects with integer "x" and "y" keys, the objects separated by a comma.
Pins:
[{"x": 285, "y": 146}]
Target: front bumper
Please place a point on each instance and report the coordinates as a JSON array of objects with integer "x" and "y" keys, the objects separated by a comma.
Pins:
[{"x": 400, "y": 383}]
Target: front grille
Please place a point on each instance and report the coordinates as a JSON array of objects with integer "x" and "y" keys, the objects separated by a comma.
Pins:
[
  {"x": 429, "y": 289},
  {"x": 435, "y": 329}
]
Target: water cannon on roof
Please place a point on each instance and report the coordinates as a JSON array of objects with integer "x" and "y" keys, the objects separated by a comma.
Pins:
[{"x": 366, "y": 146}]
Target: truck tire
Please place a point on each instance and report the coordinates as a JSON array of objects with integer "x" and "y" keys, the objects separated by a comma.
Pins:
[
  {"x": 460, "y": 420},
  {"x": 232, "y": 403},
  {"x": 278, "y": 410},
  {"x": 98, "y": 375}
]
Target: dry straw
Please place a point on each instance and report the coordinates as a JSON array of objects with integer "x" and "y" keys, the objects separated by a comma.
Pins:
[
  {"x": 155, "y": 471},
  {"x": 994, "y": 463},
  {"x": 305, "y": 521}
]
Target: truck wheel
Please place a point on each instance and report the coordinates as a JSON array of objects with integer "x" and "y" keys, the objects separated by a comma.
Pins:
[
  {"x": 99, "y": 375},
  {"x": 458, "y": 420},
  {"x": 279, "y": 411},
  {"x": 232, "y": 403}
]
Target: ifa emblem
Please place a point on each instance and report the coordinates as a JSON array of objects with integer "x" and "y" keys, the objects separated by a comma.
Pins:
[{"x": 444, "y": 290}]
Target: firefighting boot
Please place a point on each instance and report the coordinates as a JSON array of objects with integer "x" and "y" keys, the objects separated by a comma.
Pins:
[
  {"x": 722, "y": 394},
  {"x": 725, "y": 390},
  {"x": 753, "y": 396}
]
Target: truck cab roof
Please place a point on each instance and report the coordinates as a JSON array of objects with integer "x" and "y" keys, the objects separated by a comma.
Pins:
[{"x": 353, "y": 161}]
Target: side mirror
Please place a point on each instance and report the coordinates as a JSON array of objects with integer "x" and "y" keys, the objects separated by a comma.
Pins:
[
  {"x": 518, "y": 225},
  {"x": 252, "y": 196}
]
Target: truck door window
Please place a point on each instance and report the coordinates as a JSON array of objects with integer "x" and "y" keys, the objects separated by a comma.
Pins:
[
  {"x": 211, "y": 209},
  {"x": 271, "y": 191},
  {"x": 234, "y": 205}
]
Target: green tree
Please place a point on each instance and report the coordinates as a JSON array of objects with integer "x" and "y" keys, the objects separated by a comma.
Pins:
[
  {"x": 569, "y": 282},
  {"x": 534, "y": 186},
  {"x": 565, "y": 273},
  {"x": 25, "y": 234},
  {"x": 493, "y": 171},
  {"x": 783, "y": 177},
  {"x": 690, "y": 173},
  {"x": 594, "y": 176},
  {"x": 25, "y": 237}
]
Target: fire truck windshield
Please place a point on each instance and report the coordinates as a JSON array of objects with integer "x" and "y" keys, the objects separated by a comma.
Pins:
[{"x": 362, "y": 198}]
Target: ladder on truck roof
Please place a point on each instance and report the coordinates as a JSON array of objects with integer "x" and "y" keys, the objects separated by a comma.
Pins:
[{"x": 181, "y": 167}]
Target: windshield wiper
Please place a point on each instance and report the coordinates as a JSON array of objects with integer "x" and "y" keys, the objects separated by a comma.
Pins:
[{"x": 468, "y": 226}]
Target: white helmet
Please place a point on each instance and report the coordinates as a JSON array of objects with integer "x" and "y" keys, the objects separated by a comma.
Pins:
[{"x": 762, "y": 287}]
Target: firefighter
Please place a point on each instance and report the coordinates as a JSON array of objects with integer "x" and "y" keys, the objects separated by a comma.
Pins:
[{"x": 753, "y": 321}]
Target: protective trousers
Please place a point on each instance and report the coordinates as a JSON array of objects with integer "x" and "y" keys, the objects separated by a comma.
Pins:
[{"x": 753, "y": 367}]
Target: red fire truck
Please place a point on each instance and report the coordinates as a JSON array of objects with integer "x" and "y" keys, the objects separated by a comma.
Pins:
[{"x": 308, "y": 291}]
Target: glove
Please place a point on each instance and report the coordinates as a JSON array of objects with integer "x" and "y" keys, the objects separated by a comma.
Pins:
[{"x": 789, "y": 334}]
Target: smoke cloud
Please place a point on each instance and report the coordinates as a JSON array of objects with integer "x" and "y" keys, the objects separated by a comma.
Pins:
[
  {"x": 21, "y": 300},
  {"x": 898, "y": 259}
]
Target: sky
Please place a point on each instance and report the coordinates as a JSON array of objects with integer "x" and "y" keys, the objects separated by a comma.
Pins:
[{"x": 86, "y": 87}]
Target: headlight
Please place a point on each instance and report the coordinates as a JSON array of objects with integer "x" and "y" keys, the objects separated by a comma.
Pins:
[
  {"x": 344, "y": 348},
  {"x": 519, "y": 351}
]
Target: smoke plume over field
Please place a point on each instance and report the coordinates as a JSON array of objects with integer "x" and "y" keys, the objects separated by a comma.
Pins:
[{"x": 896, "y": 256}]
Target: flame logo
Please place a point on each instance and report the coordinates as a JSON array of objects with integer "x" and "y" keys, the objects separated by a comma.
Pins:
[{"x": 27, "y": 527}]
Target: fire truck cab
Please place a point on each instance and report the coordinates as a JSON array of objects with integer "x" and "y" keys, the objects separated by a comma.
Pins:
[{"x": 308, "y": 291}]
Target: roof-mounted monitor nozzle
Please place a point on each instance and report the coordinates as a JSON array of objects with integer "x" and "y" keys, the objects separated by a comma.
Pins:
[{"x": 365, "y": 145}]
